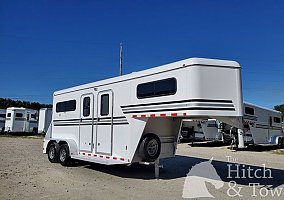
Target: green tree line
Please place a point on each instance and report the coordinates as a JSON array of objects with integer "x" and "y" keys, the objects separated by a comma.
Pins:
[
  {"x": 5, "y": 103},
  {"x": 280, "y": 108}
]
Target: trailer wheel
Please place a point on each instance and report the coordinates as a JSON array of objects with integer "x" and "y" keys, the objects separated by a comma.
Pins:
[
  {"x": 279, "y": 145},
  {"x": 34, "y": 132},
  {"x": 53, "y": 152},
  {"x": 64, "y": 157},
  {"x": 282, "y": 142},
  {"x": 150, "y": 147}
]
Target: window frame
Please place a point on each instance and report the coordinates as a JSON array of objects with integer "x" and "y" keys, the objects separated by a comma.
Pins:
[
  {"x": 248, "y": 109},
  {"x": 102, "y": 105},
  {"x": 86, "y": 107},
  {"x": 33, "y": 116},
  {"x": 156, "y": 93},
  {"x": 63, "y": 106},
  {"x": 277, "y": 120},
  {"x": 19, "y": 115}
]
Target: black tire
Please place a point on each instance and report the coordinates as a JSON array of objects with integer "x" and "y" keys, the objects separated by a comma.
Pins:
[
  {"x": 150, "y": 147},
  {"x": 282, "y": 143},
  {"x": 64, "y": 156},
  {"x": 34, "y": 131},
  {"x": 279, "y": 145},
  {"x": 53, "y": 152}
]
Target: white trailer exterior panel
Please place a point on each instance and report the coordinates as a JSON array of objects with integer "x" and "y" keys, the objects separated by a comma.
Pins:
[{"x": 45, "y": 117}]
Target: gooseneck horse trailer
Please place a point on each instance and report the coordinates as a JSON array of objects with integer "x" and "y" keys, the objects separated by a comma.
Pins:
[
  {"x": 137, "y": 117},
  {"x": 262, "y": 126}
]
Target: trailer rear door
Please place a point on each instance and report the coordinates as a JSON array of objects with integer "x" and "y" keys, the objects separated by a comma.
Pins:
[
  {"x": 104, "y": 122},
  {"x": 86, "y": 122}
]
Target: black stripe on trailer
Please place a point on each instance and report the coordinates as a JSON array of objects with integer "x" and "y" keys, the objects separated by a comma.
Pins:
[
  {"x": 85, "y": 124},
  {"x": 85, "y": 119},
  {"x": 181, "y": 101},
  {"x": 179, "y": 109}
]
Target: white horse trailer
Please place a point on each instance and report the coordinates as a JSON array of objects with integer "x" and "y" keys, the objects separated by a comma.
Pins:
[
  {"x": 191, "y": 129},
  {"x": 45, "y": 116},
  {"x": 2, "y": 119},
  {"x": 201, "y": 130},
  {"x": 21, "y": 120},
  {"x": 210, "y": 130},
  {"x": 262, "y": 126},
  {"x": 137, "y": 117}
]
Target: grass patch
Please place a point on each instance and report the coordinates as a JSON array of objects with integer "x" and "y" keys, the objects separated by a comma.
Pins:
[{"x": 278, "y": 152}]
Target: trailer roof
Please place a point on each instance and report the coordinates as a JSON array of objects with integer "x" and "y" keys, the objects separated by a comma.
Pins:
[
  {"x": 20, "y": 108},
  {"x": 154, "y": 70},
  {"x": 254, "y": 105}
]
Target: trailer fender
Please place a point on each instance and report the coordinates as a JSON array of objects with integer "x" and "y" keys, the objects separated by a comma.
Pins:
[
  {"x": 274, "y": 139},
  {"x": 73, "y": 147}
]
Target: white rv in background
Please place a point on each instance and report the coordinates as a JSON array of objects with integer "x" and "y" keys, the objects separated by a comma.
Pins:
[
  {"x": 2, "y": 119},
  {"x": 45, "y": 116},
  {"x": 137, "y": 117},
  {"x": 21, "y": 120}
]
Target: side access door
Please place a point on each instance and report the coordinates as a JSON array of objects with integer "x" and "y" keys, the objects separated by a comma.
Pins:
[
  {"x": 104, "y": 122},
  {"x": 86, "y": 122}
]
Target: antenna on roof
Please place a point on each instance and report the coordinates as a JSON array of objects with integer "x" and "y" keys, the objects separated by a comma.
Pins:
[{"x": 120, "y": 59}]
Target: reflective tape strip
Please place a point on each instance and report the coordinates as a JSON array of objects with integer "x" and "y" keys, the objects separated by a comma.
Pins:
[{"x": 103, "y": 156}]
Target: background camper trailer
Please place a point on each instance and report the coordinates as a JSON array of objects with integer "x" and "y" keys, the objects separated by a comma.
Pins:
[
  {"x": 2, "y": 119},
  {"x": 45, "y": 116},
  {"x": 137, "y": 117},
  {"x": 21, "y": 120}
]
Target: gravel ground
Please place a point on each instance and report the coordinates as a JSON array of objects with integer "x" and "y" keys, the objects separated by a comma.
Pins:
[{"x": 25, "y": 173}]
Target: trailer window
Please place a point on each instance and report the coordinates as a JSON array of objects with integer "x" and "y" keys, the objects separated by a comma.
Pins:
[
  {"x": 249, "y": 111},
  {"x": 157, "y": 88},
  {"x": 8, "y": 114},
  {"x": 66, "y": 106},
  {"x": 19, "y": 115},
  {"x": 104, "y": 104},
  {"x": 33, "y": 116},
  {"x": 86, "y": 106},
  {"x": 2, "y": 115},
  {"x": 276, "y": 119}
]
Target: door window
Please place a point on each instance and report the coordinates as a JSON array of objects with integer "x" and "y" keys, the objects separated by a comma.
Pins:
[
  {"x": 86, "y": 106},
  {"x": 104, "y": 104}
]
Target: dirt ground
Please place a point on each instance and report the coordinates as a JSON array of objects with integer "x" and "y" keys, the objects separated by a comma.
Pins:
[{"x": 26, "y": 173}]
